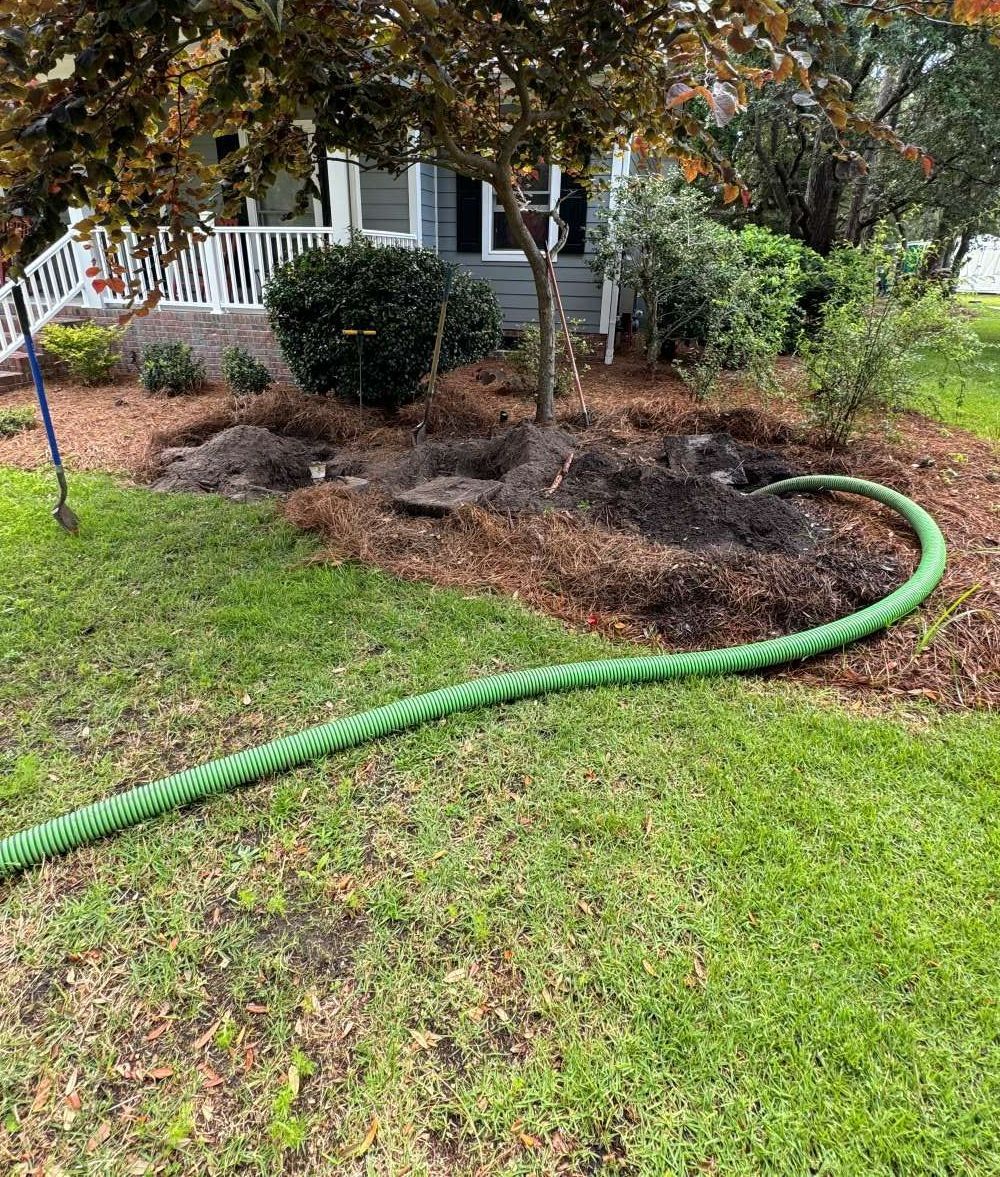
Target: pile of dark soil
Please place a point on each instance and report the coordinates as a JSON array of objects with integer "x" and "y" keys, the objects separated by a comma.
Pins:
[
  {"x": 676, "y": 509},
  {"x": 243, "y": 462},
  {"x": 519, "y": 467}
]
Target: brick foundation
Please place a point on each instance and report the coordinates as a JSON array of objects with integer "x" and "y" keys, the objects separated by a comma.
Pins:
[{"x": 209, "y": 335}]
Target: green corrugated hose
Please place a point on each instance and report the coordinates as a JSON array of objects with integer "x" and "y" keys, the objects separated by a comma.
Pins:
[{"x": 114, "y": 813}]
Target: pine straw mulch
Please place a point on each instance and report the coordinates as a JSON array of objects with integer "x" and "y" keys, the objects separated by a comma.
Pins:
[
  {"x": 107, "y": 427},
  {"x": 628, "y": 588}
]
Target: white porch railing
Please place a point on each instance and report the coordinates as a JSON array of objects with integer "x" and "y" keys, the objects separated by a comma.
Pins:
[
  {"x": 225, "y": 271},
  {"x": 50, "y": 282}
]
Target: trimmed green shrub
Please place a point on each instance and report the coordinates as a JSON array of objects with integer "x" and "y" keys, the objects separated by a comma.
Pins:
[
  {"x": 172, "y": 368},
  {"x": 243, "y": 373},
  {"x": 88, "y": 350},
  {"x": 16, "y": 421},
  {"x": 395, "y": 292}
]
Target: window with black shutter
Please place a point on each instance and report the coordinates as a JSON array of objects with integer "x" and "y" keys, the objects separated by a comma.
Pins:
[
  {"x": 573, "y": 210},
  {"x": 468, "y": 215}
]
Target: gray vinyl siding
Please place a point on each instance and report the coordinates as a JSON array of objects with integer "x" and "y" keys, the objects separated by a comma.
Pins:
[
  {"x": 385, "y": 202},
  {"x": 512, "y": 281},
  {"x": 428, "y": 210}
]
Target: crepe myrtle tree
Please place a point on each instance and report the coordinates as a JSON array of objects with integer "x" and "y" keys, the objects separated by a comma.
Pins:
[{"x": 104, "y": 105}]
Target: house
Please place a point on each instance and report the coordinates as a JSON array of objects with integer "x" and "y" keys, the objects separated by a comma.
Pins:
[{"x": 213, "y": 294}]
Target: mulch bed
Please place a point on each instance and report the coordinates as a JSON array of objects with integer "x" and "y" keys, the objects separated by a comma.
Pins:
[{"x": 621, "y": 582}]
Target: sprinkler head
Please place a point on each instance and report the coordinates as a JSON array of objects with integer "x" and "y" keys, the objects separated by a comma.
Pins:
[{"x": 504, "y": 416}]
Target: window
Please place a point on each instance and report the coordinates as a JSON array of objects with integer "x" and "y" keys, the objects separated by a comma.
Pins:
[
  {"x": 481, "y": 223},
  {"x": 536, "y": 191}
]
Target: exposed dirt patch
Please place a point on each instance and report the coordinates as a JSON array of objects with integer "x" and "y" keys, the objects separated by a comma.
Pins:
[{"x": 242, "y": 462}]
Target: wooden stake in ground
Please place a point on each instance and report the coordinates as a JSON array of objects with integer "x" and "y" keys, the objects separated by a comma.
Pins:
[
  {"x": 420, "y": 431},
  {"x": 569, "y": 337}
]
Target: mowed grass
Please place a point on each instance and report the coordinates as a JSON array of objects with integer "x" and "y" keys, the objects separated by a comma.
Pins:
[
  {"x": 971, "y": 398},
  {"x": 709, "y": 927}
]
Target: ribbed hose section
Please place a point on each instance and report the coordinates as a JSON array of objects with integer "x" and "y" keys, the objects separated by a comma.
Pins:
[{"x": 34, "y": 845}]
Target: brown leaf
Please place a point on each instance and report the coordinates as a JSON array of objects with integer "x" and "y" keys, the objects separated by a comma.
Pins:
[
  {"x": 205, "y": 1038},
  {"x": 73, "y": 1101},
  {"x": 160, "y": 1073},
  {"x": 351, "y": 1151},
  {"x": 42, "y": 1092},
  {"x": 156, "y": 1032},
  {"x": 101, "y": 1134},
  {"x": 254, "y": 1008}
]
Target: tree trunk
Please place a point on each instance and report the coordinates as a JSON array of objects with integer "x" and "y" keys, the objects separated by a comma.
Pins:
[
  {"x": 822, "y": 198},
  {"x": 545, "y": 407}
]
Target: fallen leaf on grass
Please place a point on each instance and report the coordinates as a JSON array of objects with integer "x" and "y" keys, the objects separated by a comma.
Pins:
[
  {"x": 350, "y": 1152},
  {"x": 425, "y": 1040},
  {"x": 205, "y": 1038},
  {"x": 73, "y": 1101},
  {"x": 160, "y": 1073},
  {"x": 156, "y": 1032},
  {"x": 211, "y": 1078},
  {"x": 293, "y": 1079},
  {"x": 254, "y": 1008},
  {"x": 42, "y": 1092},
  {"x": 528, "y": 1140},
  {"x": 647, "y": 965},
  {"x": 101, "y": 1134},
  {"x": 454, "y": 976}
]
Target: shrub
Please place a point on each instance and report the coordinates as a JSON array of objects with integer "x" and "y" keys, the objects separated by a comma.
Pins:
[
  {"x": 860, "y": 365},
  {"x": 525, "y": 355},
  {"x": 696, "y": 281},
  {"x": 789, "y": 270},
  {"x": 746, "y": 325},
  {"x": 172, "y": 368},
  {"x": 16, "y": 421},
  {"x": 397, "y": 292},
  {"x": 243, "y": 373},
  {"x": 88, "y": 350}
]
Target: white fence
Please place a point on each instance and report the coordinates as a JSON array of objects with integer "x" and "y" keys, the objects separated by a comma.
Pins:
[
  {"x": 981, "y": 269},
  {"x": 225, "y": 271}
]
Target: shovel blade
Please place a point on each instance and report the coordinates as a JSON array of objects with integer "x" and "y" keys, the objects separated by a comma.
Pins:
[{"x": 66, "y": 518}]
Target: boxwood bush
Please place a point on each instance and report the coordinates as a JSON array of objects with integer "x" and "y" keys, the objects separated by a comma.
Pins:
[{"x": 396, "y": 292}]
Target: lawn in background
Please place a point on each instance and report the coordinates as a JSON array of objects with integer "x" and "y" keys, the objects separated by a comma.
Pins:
[
  {"x": 705, "y": 927},
  {"x": 971, "y": 398}
]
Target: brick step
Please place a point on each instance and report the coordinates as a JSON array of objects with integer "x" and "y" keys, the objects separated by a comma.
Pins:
[{"x": 10, "y": 379}]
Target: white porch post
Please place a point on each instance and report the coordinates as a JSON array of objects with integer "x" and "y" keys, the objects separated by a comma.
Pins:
[{"x": 213, "y": 272}]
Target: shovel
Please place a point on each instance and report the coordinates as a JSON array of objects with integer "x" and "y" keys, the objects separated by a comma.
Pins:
[
  {"x": 62, "y": 514},
  {"x": 420, "y": 431}
]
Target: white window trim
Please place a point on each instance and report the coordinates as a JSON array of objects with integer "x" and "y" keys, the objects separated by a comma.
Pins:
[
  {"x": 517, "y": 255},
  {"x": 413, "y": 197}
]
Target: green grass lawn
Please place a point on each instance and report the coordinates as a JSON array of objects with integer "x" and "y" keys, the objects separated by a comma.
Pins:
[
  {"x": 970, "y": 399},
  {"x": 707, "y": 927}
]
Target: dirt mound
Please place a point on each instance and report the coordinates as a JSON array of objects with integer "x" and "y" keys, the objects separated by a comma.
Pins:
[
  {"x": 242, "y": 462},
  {"x": 720, "y": 456},
  {"x": 691, "y": 512}
]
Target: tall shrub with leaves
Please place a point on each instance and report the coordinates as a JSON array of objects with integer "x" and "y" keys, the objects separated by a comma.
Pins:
[{"x": 860, "y": 365}]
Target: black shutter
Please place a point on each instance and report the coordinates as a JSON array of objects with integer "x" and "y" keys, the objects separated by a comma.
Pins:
[
  {"x": 573, "y": 210},
  {"x": 468, "y": 215}
]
